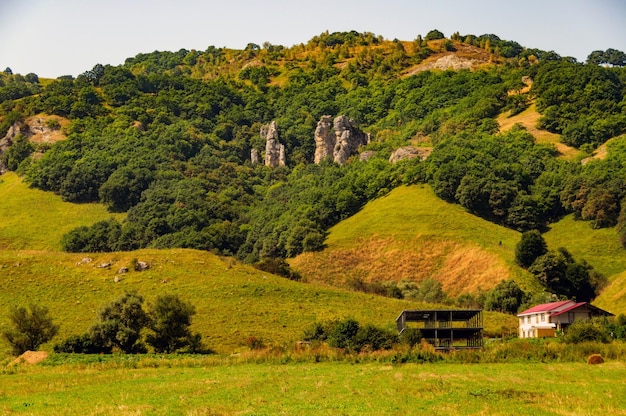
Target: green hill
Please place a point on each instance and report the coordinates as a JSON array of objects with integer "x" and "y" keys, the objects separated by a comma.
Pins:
[
  {"x": 173, "y": 142},
  {"x": 411, "y": 234}
]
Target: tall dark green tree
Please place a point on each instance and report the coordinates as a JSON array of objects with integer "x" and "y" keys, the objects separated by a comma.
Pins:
[
  {"x": 530, "y": 246},
  {"x": 120, "y": 324},
  {"x": 170, "y": 319},
  {"x": 505, "y": 297}
]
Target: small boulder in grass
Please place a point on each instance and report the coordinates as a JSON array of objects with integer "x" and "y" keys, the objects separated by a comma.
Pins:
[{"x": 595, "y": 359}]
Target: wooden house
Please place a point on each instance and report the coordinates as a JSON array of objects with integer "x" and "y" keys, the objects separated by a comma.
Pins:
[{"x": 445, "y": 329}]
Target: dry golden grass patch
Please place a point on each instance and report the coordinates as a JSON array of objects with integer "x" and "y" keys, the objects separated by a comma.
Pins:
[
  {"x": 410, "y": 234},
  {"x": 528, "y": 119},
  {"x": 602, "y": 151},
  {"x": 460, "y": 268},
  {"x": 469, "y": 268}
]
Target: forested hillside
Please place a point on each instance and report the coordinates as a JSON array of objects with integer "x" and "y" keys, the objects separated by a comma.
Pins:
[{"x": 167, "y": 138}]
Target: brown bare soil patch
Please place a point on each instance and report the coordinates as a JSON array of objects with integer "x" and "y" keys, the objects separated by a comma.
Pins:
[
  {"x": 40, "y": 129},
  {"x": 30, "y": 357},
  {"x": 465, "y": 57}
]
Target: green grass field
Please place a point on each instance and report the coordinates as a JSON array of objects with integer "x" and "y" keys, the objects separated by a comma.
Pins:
[
  {"x": 218, "y": 387},
  {"x": 36, "y": 220},
  {"x": 233, "y": 301}
]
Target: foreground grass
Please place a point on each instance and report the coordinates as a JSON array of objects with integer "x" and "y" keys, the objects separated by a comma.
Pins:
[{"x": 213, "y": 387}]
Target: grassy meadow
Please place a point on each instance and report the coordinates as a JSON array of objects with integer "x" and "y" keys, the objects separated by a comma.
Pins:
[
  {"x": 215, "y": 387},
  {"x": 233, "y": 301}
]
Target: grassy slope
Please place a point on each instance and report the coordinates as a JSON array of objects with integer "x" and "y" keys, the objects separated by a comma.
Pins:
[
  {"x": 528, "y": 118},
  {"x": 412, "y": 234},
  {"x": 35, "y": 219},
  {"x": 233, "y": 301},
  {"x": 601, "y": 248}
]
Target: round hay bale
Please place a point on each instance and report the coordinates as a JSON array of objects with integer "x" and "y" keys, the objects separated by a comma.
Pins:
[{"x": 595, "y": 359}]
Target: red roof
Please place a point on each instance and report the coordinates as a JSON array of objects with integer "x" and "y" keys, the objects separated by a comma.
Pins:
[
  {"x": 550, "y": 307},
  {"x": 569, "y": 308}
]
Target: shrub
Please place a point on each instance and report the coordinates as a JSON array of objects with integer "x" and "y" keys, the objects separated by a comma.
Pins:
[
  {"x": 350, "y": 335},
  {"x": 411, "y": 336},
  {"x": 586, "y": 330},
  {"x": 344, "y": 334},
  {"x": 80, "y": 344},
  {"x": 255, "y": 343},
  {"x": 505, "y": 297},
  {"x": 120, "y": 325},
  {"x": 278, "y": 267},
  {"x": 374, "y": 338},
  {"x": 530, "y": 246}
]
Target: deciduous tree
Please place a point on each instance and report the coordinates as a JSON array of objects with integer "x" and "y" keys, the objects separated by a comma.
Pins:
[{"x": 30, "y": 328}]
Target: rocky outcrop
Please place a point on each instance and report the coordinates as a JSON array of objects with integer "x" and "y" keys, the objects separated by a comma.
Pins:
[
  {"x": 274, "y": 150},
  {"x": 366, "y": 155},
  {"x": 38, "y": 129},
  {"x": 338, "y": 140},
  {"x": 254, "y": 157},
  {"x": 409, "y": 152},
  {"x": 324, "y": 139}
]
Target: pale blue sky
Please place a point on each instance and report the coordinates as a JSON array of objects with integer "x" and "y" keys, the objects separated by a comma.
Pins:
[{"x": 67, "y": 37}]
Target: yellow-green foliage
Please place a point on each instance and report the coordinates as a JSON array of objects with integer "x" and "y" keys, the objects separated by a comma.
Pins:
[
  {"x": 36, "y": 220},
  {"x": 412, "y": 234}
]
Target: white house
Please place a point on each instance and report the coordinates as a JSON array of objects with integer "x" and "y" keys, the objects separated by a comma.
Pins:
[{"x": 545, "y": 319}]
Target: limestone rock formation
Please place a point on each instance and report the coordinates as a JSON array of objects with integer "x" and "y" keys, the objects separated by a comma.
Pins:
[
  {"x": 366, "y": 155},
  {"x": 339, "y": 141},
  {"x": 274, "y": 150},
  {"x": 324, "y": 139},
  {"x": 409, "y": 152},
  {"x": 254, "y": 157},
  {"x": 38, "y": 129}
]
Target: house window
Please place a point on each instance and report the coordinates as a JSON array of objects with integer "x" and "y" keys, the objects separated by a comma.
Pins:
[{"x": 543, "y": 317}]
